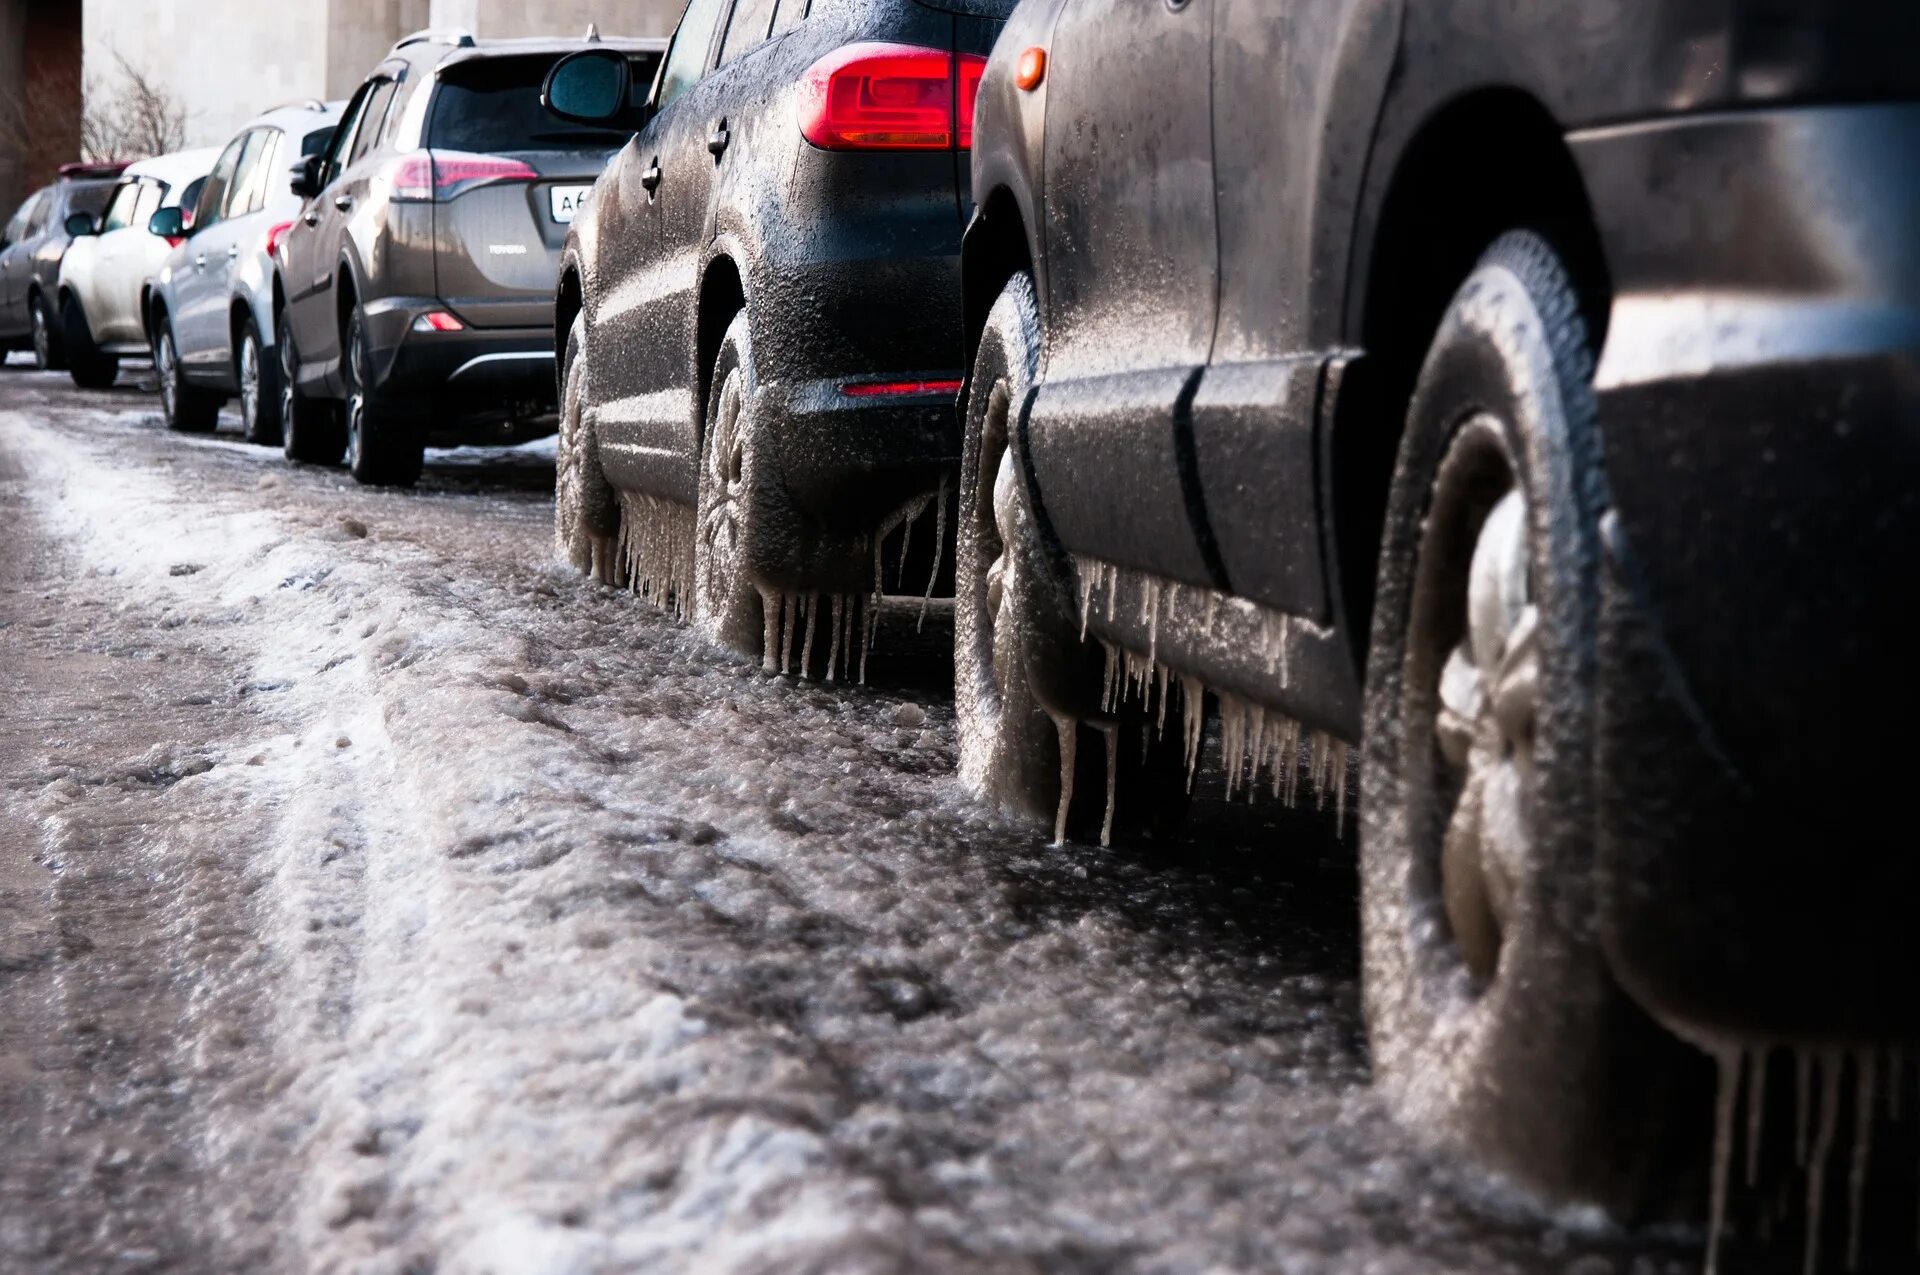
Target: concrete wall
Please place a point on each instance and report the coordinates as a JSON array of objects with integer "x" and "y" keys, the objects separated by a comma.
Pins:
[
  {"x": 503, "y": 18},
  {"x": 229, "y": 59}
]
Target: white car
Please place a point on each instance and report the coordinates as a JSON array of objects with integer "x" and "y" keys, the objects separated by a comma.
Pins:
[
  {"x": 112, "y": 257},
  {"x": 209, "y": 311}
]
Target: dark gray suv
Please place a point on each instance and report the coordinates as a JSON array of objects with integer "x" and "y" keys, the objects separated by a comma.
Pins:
[{"x": 415, "y": 291}]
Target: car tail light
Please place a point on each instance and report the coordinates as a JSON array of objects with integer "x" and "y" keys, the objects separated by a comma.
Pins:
[
  {"x": 426, "y": 176},
  {"x": 881, "y": 389},
  {"x": 275, "y": 236},
  {"x": 890, "y": 97},
  {"x": 438, "y": 321}
]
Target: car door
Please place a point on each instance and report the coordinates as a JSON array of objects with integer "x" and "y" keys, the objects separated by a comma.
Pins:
[
  {"x": 198, "y": 307},
  {"x": 106, "y": 313},
  {"x": 648, "y": 413},
  {"x": 1132, "y": 281},
  {"x": 313, "y": 247},
  {"x": 1297, "y": 88},
  {"x": 16, "y": 263}
]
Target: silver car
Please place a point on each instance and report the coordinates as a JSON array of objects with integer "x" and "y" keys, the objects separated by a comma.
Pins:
[{"x": 209, "y": 309}]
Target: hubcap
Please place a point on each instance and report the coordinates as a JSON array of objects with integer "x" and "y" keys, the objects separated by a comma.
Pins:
[
  {"x": 250, "y": 383},
  {"x": 286, "y": 382},
  {"x": 42, "y": 338},
  {"x": 993, "y": 534},
  {"x": 726, "y": 473},
  {"x": 1486, "y": 698},
  {"x": 356, "y": 397}
]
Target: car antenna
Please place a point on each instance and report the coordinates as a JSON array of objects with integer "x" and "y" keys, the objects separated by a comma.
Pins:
[{"x": 593, "y": 33}]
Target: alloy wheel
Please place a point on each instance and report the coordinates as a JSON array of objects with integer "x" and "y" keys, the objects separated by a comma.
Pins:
[
  {"x": 726, "y": 471},
  {"x": 42, "y": 338},
  {"x": 163, "y": 366},
  {"x": 1480, "y": 631},
  {"x": 250, "y": 384}
]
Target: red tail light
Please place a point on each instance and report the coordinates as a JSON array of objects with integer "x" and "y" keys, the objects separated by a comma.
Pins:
[
  {"x": 275, "y": 235},
  {"x": 880, "y": 389},
  {"x": 890, "y": 97},
  {"x": 425, "y": 176}
]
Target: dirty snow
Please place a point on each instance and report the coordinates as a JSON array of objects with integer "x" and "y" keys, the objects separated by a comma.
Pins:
[{"x": 496, "y": 923}]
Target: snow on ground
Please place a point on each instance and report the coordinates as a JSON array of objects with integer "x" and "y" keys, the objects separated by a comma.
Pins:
[{"x": 578, "y": 946}]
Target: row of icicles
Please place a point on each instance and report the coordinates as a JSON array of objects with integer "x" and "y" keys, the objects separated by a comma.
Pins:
[{"x": 1822, "y": 1078}]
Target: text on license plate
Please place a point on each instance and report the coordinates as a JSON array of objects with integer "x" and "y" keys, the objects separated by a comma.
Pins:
[{"x": 568, "y": 201}]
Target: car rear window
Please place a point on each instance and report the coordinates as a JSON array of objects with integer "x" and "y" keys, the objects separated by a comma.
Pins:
[
  {"x": 493, "y": 104},
  {"x": 88, "y": 197}
]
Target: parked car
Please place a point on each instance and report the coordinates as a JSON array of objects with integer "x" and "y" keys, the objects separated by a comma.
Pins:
[
  {"x": 416, "y": 288},
  {"x": 31, "y": 247},
  {"x": 759, "y": 314},
  {"x": 105, "y": 271},
  {"x": 209, "y": 312},
  {"x": 1530, "y": 404}
]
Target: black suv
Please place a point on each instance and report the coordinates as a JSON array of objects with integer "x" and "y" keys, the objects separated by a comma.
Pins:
[
  {"x": 1531, "y": 405},
  {"x": 416, "y": 288},
  {"x": 31, "y": 246},
  {"x": 759, "y": 317}
]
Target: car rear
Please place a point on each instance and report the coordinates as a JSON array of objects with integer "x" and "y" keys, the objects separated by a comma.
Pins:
[
  {"x": 868, "y": 261},
  {"x": 491, "y": 190}
]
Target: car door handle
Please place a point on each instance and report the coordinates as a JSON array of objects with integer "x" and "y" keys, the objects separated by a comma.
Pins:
[
  {"x": 200, "y": 262},
  {"x": 651, "y": 178},
  {"x": 343, "y": 202},
  {"x": 233, "y": 252},
  {"x": 717, "y": 140},
  {"x": 311, "y": 216}
]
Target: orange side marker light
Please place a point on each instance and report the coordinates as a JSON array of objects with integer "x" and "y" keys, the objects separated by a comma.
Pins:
[{"x": 1032, "y": 69}]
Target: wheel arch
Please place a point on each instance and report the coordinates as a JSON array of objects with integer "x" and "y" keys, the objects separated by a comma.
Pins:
[
  {"x": 723, "y": 294},
  {"x": 997, "y": 247},
  {"x": 1485, "y": 162}
]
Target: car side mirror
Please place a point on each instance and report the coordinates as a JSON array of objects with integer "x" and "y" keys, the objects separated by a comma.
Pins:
[
  {"x": 168, "y": 223},
  {"x": 593, "y": 86},
  {"x": 306, "y": 176},
  {"x": 80, "y": 225}
]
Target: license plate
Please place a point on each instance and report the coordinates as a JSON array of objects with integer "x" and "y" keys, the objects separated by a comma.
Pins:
[{"x": 568, "y": 201}]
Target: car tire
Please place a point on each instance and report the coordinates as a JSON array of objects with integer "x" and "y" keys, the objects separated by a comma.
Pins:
[
  {"x": 188, "y": 409},
  {"x": 90, "y": 367},
  {"x": 586, "y": 511},
  {"x": 310, "y": 429},
  {"x": 258, "y": 376},
  {"x": 1496, "y": 1025},
  {"x": 383, "y": 449},
  {"x": 49, "y": 352},
  {"x": 729, "y": 515},
  {"x": 1009, "y": 750}
]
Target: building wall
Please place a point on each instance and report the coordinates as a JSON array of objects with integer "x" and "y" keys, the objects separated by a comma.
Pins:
[
  {"x": 227, "y": 60},
  {"x": 40, "y": 94}
]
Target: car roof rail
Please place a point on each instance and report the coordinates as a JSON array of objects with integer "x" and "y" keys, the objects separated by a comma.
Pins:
[
  {"x": 458, "y": 39},
  {"x": 303, "y": 103}
]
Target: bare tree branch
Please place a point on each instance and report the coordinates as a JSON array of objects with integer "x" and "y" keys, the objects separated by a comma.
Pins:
[{"x": 133, "y": 117}]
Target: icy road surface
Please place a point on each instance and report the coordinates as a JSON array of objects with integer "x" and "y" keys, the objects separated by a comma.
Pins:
[{"x": 377, "y": 895}]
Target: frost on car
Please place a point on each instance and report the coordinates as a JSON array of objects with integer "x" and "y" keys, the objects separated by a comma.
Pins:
[
  {"x": 759, "y": 322},
  {"x": 1520, "y": 413}
]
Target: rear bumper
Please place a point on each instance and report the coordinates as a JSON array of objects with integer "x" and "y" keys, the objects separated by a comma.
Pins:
[
  {"x": 1760, "y": 412},
  {"x": 844, "y": 467},
  {"x": 473, "y": 372}
]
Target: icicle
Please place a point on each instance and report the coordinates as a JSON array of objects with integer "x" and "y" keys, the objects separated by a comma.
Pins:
[
  {"x": 1160, "y": 691},
  {"x": 1728, "y": 1060},
  {"x": 1086, "y": 600},
  {"x": 788, "y": 615},
  {"x": 1830, "y": 1067},
  {"x": 1066, "y": 729},
  {"x": 1865, "y": 1066},
  {"x": 1255, "y": 752},
  {"x": 1113, "y": 590},
  {"x": 806, "y": 648},
  {"x": 839, "y": 622},
  {"x": 1193, "y": 704},
  {"x": 770, "y": 604},
  {"x": 1803, "y": 1087},
  {"x": 1112, "y": 733},
  {"x": 1756, "y": 1106},
  {"x": 939, "y": 551}
]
